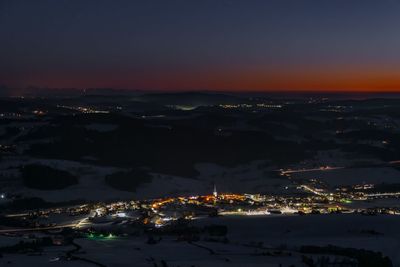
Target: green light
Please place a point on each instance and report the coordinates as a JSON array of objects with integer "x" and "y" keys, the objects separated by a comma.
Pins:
[{"x": 100, "y": 236}]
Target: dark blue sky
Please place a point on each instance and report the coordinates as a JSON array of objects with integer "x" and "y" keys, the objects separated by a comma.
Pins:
[{"x": 188, "y": 44}]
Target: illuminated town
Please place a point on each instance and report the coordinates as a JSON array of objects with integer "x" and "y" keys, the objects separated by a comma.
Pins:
[
  {"x": 199, "y": 133},
  {"x": 158, "y": 213},
  {"x": 107, "y": 181}
]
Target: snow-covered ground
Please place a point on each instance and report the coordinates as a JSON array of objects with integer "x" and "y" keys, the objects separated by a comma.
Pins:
[
  {"x": 177, "y": 254},
  {"x": 47, "y": 259},
  {"x": 352, "y": 176},
  {"x": 344, "y": 230},
  {"x": 91, "y": 184},
  {"x": 135, "y": 252},
  {"x": 336, "y": 158},
  {"x": 255, "y": 177},
  {"x": 165, "y": 185},
  {"x": 375, "y": 233}
]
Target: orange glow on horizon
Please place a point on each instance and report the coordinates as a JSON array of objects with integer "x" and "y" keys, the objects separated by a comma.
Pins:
[{"x": 281, "y": 80}]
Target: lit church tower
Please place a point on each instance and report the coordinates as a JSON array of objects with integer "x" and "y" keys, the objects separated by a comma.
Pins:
[{"x": 215, "y": 193}]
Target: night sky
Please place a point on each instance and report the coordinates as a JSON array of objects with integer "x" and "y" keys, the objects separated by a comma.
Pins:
[{"x": 247, "y": 45}]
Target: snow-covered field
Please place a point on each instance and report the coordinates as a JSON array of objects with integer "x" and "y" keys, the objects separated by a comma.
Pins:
[
  {"x": 177, "y": 254},
  {"x": 47, "y": 259},
  {"x": 124, "y": 253},
  {"x": 255, "y": 177},
  {"x": 344, "y": 230},
  {"x": 334, "y": 158},
  {"x": 351, "y": 176},
  {"x": 91, "y": 184}
]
